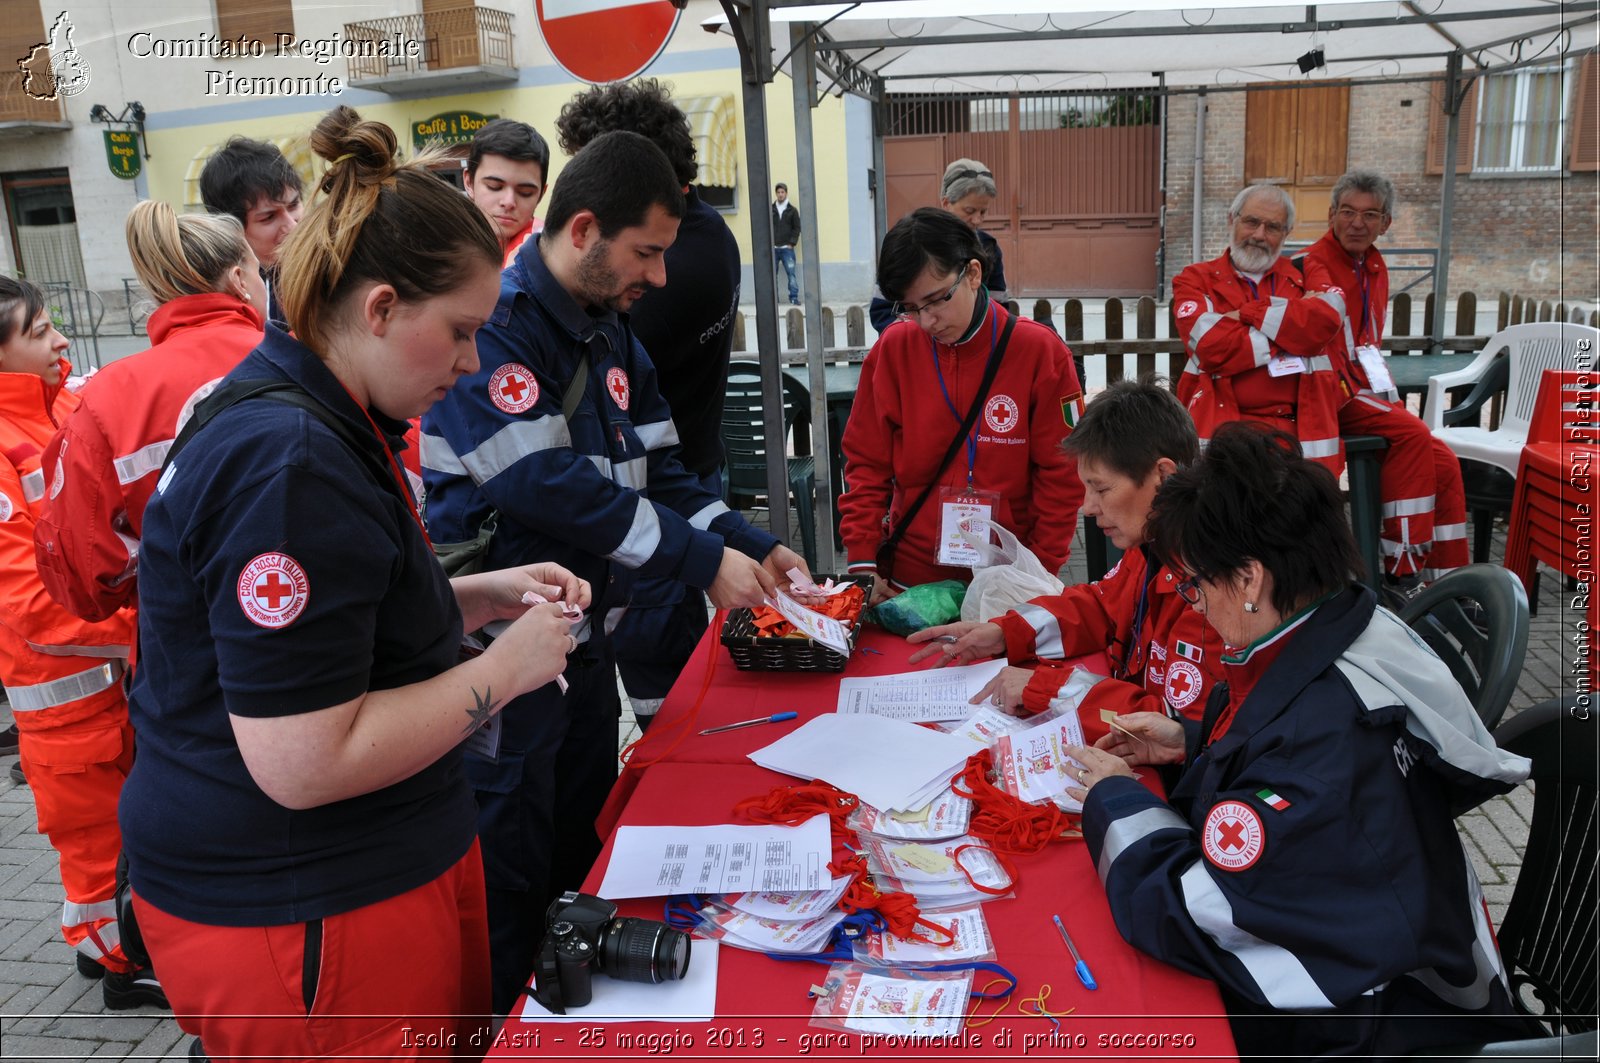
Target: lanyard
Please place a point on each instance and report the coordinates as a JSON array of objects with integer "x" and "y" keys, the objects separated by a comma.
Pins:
[
  {"x": 1135, "y": 634},
  {"x": 1366, "y": 306},
  {"x": 394, "y": 468},
  {"x": 1255, "y": 293},
  {"x": 972, "y": 436}
]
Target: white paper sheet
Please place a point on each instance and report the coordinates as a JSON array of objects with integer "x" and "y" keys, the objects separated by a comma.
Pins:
[
  {"x": 987, "y": 725},
  {"x": 925, "y": 696},
  {"x": 693, "y": 998},
  {"x": 824, "y": 629},
  {"x": 662, "y": 861},
  {"x": 796, "y": 905},
  {"x": 888, "y": 764}
]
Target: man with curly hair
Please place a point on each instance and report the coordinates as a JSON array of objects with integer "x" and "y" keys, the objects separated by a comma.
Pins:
[{"x": 686, "y": 327}]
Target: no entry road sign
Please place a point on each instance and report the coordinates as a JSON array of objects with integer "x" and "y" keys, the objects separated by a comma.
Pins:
[{"x": 601, "y": 41}]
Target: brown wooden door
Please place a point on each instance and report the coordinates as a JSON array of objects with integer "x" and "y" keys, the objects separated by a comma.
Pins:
[
  {"x": 1298, "y": 137},
  {"x": 451, "y": 29}
]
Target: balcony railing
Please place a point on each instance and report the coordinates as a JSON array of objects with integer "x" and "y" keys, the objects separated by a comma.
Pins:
[{"x": 458, "y": 39}]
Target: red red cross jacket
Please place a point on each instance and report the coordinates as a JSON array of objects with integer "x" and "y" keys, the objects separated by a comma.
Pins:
[
  {"x": 58, "y": 669},
  {"x": 1176, "y": 658},
  {"x": 900, "y": 426},
  {"x": 108, "y": 455},
  {"x": 1365, "y": 318},
  {"x": 1229, "y": 375}
]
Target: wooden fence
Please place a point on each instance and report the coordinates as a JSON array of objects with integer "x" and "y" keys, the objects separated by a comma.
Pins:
[{"x": 1147, "y": 351}]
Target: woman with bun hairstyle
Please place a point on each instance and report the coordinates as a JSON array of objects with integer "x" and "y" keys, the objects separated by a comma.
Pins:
[
  {"x": 298, "y": 816},
  {"x": 107, "y": 457},
  {"x": 62, "y": 675}
]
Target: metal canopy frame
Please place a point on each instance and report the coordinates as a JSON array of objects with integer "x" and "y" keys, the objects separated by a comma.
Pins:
[{"x": 825, "y": 57}]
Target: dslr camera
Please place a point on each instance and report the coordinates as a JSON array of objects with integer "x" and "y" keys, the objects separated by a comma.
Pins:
[{"x": 586, "y": 935}]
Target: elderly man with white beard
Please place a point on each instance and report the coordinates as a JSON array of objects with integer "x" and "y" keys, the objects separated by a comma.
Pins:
[{"x": 1255, "y": 329}]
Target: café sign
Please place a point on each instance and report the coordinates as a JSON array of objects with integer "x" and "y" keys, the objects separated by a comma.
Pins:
[{"x": 447, "y": 128}]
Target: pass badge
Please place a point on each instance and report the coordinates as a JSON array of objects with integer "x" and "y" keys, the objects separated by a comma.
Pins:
[
  {"x": 1376, "y": 368},
  {"x": 964, "y": 509},
  {"x": 1285, "y": 365}
]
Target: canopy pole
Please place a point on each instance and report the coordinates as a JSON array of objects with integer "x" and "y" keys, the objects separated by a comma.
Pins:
[
  {"x": 1197, "y": 252},
  {"x": 1451, "y": 98},
  {"x": 755, "y": 58},
  {"x": 803, "y": 74}
]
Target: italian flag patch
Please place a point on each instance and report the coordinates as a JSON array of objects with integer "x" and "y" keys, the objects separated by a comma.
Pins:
[
  {"x": 1072, "y": 409},
  {"x": 1188, "y": 650},
  {"x": 1271, "y": 798}
]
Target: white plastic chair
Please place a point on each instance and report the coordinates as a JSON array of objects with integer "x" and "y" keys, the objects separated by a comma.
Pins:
[{"x": 1531, "y": 349}]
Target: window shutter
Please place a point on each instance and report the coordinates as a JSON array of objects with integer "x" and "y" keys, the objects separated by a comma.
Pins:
[
  {"x": 1584, "y": 117},
  {"x": 255, "y": 20},
  {"x": 1437, "y": 125}
]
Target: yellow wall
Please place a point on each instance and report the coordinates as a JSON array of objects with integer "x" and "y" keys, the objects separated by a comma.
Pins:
[{"x": 173, "y": 149}]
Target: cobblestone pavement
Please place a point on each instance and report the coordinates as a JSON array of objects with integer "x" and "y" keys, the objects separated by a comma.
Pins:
[{"x": 49, "y": 1012}]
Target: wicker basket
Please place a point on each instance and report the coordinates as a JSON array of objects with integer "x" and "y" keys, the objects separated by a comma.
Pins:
[{"x": 751, "y": 652}]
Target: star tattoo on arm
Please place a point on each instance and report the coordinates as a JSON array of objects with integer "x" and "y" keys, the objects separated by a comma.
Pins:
[{"x": 479, "y": 714}]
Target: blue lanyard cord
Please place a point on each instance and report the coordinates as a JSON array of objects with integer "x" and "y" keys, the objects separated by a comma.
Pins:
[
  {"x": 981, "y": 965},
  {"x": 683, "y": 913},
  {"x": 1272, "y": 285},
  {"x": 1135, "y": 634},
  {"x": 972, "y": 436},
  {"x": 1366, "y": 306}
]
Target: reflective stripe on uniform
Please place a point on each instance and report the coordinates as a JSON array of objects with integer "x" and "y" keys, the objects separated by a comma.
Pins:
[
  {"x": 701, "y": 521},
  {"x": 1409, "y": 507},
  {"x": 657, "y": 434},
  {"x": 33, "y": 485},
  {"x": 1202, "y": 325},
  {"x": 434, "y": 452},
  {"x": 1320, "y": 448},
  {"x": 1046, "y": 630},
  {"x": 1272, "y": 320},
  {"x": 634, "y": 474},
  {"x": 1333, "y": 298},
  {"x": 77, "y": 914},
  {"x": 511, "y": 444},
  {"x": 1449, "y": 531},
  {"x": 110, "y": 936},
  {"x": 1283, "y": 980},
  {"x": 68, "y": 688},
  {"x": 643, "y": 537},
  {"x": 1129, "y": 829},
  {"x": 142, "y": 462},
  {"x": 1260, "y": 346}
]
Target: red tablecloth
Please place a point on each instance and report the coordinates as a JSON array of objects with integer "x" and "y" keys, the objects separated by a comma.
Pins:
[{"x": 1142, "y": 1008}]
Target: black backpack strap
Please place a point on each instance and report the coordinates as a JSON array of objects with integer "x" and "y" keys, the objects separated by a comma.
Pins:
[{"x": 290, "y": 394}]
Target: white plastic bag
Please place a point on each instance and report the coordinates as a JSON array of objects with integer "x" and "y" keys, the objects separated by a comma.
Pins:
[{"x": 1009, "y": 576}]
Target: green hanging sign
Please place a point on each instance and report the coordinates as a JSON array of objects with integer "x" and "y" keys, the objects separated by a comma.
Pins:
[
  {"x": 122, "y": 153},
  {"x": 447, "y": 128}
]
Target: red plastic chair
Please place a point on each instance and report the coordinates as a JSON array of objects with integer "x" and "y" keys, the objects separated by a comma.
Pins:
[{"x": 1556, "y": 505}]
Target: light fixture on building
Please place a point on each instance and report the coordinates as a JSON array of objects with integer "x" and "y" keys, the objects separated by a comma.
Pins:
[
  {"x": 1312, "y": 60},
  {"x": 133, "y": 114}
]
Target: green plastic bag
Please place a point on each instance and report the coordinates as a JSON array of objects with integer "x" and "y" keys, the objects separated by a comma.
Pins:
[{"x": 918, "y": 607}]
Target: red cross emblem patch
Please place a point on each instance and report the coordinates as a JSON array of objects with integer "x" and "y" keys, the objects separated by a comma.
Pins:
[
  {"x": 1183, "y": 684},
  {"x": 1000, "y": 413},
  {"x": 512, "y": 388},
  {"x": 1187, "y": 308},
  {"x": 273, "y": 590},
  {"x": 1232, "y": 837},
  {"x": 617, "y": 385}
]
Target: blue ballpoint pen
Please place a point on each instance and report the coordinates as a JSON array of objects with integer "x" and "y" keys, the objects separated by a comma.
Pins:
[
  {"x": 1082, "y": 968},
  {"x": 777, "y": 717}
]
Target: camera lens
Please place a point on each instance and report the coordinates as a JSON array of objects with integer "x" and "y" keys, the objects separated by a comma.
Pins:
[{"x": 643, "y": 950}]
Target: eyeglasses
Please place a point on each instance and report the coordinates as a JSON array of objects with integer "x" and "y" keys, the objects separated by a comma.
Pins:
[
  {"x": 1273, "y": 228},
  {"x": 906, "y": 310},
  {"x": 1349, "y": 214},
  {"x": 1189, "y": 590}
]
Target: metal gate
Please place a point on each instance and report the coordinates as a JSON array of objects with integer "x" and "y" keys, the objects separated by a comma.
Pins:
[{"x": 1079, "y": 176}]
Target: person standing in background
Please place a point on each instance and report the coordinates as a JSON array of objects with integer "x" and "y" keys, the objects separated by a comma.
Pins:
[
  {"x": 785, "y": 235},
  {"x": 686, "y": 327},
  {"x": 253, "y": 181},
  {"x": 507, "y": 174}
]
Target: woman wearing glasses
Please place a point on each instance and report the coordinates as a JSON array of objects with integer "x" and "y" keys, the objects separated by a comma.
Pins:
[
  {"x": 1307, "y": 859},
  {"x": 960, "y": 415}
]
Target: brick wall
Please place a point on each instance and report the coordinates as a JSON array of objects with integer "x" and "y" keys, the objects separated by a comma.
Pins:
[{"x": 1529, "y": 236}]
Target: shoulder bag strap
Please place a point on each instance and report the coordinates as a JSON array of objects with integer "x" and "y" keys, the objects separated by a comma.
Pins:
[{"x": 989, "y": 374}]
